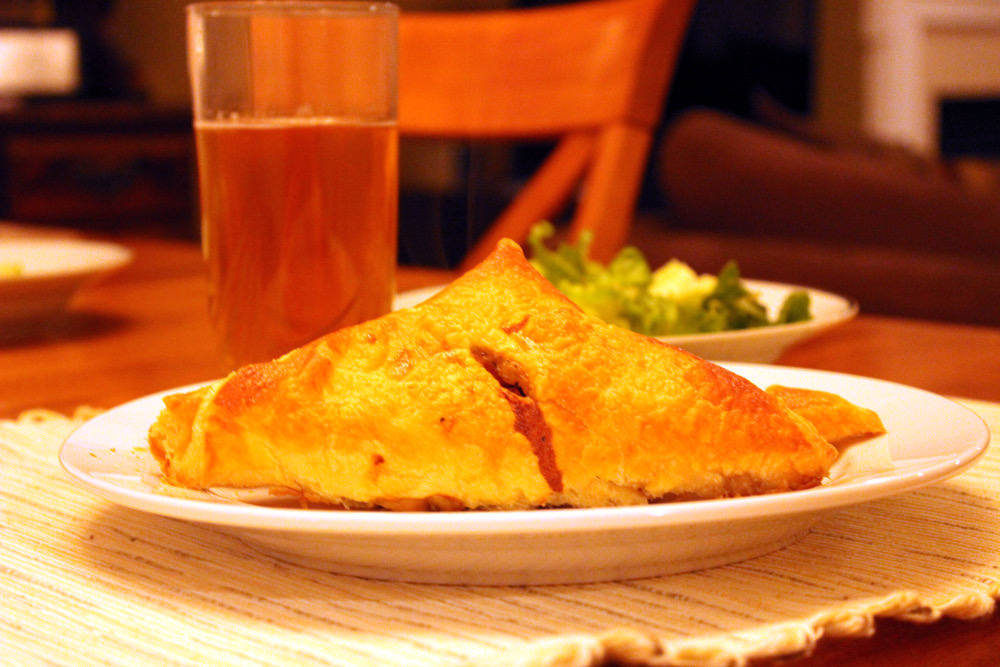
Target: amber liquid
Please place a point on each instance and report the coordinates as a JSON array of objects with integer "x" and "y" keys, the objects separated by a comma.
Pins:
[{"x": 298, "y": 228}]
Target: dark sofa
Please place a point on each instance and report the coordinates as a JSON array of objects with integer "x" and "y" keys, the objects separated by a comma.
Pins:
[{"x": 905, "y": 236}]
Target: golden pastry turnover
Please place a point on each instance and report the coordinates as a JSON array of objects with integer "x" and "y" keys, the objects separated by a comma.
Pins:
[{"x": 496, "y": 393}]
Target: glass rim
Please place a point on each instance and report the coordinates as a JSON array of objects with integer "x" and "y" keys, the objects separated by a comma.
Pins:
[{"x": 293, "y": 7}]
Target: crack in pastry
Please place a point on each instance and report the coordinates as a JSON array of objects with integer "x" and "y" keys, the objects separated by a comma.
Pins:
[{"x": 528, "y": 418}]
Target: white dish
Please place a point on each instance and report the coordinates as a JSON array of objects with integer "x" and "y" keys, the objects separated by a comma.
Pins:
[
  {"x": 51, "y": 270},
  {"x": 760, "y": 345},
  {"x": 929, "y": 439}
]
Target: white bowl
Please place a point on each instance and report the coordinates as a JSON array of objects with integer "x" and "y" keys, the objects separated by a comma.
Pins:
[
  {"x": 765, "y": 344},
  {"x": 51, "y": 270}
]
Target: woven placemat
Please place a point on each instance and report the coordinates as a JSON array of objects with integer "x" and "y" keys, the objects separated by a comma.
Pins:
[{"x": 86, "y": 582}]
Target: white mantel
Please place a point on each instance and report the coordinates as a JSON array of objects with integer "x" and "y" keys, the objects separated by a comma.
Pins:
[{"x": 885, "y": 65}]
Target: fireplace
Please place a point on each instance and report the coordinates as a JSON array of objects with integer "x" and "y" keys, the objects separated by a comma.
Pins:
[{"x": 904, "y": 71}]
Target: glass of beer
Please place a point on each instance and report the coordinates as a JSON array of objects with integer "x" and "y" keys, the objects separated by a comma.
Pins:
[{"x": 295, "y": 123}]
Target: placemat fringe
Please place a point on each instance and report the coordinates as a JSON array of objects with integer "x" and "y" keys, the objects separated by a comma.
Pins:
[{"x": 626, "y": 646}]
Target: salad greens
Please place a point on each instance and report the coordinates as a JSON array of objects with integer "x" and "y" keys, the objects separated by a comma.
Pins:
[{"x": 671, "y": 300}]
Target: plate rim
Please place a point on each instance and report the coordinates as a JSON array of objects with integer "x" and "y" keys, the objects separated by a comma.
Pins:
[{"x": 537, "y": 521}]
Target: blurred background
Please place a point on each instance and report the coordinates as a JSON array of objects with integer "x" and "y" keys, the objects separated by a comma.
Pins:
[{"x": 95, "y": 130}]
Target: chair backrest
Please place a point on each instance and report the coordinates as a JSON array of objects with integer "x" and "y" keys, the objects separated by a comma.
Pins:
[{"x": 590, "y": 75}]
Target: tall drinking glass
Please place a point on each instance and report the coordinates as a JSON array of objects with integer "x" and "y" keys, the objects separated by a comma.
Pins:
[{"x": 295, "y": 122}]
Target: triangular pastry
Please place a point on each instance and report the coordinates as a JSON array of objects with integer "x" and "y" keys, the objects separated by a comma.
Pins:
[{"x": 496, "y": 393}]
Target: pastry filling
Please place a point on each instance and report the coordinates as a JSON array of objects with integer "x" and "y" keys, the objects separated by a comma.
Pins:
[{"x": 528, "y": 418}]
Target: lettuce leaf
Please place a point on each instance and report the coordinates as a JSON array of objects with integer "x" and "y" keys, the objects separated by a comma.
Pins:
[{"x": 672, "y": 300}]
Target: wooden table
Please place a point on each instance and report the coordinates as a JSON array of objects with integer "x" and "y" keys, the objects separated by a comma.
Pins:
[
  {"x": 145, "y": 329},
  {"x": 141, "y": 330}
]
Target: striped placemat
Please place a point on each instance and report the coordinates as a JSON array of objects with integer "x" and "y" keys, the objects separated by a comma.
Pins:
[{"x": 85, "y": 582}]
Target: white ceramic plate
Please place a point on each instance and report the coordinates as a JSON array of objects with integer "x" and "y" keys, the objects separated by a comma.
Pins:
[
  {"x": 761, "y": 345},
  {"x": 929, "y": 439},
  {"x": 51, "y": 271}
]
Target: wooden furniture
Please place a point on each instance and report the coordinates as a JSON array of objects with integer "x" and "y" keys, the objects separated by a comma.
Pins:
[
  {"x": 146, "y": 329},
  {"x": 592, "y": 75},
  {"x": 99, "y": 166},
  {"x": 136, "y": 332}
]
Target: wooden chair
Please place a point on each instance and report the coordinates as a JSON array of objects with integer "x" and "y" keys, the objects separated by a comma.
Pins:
[{"x": 591, "y": 76}]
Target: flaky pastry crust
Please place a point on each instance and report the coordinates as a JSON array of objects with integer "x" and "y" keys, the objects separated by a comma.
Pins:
[
  {"x": 496, "y": 393},
  {"x": 835, "y": 418}
]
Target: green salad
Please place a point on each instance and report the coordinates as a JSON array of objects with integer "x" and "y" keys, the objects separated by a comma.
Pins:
[{"x": 672, "y": 300}]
